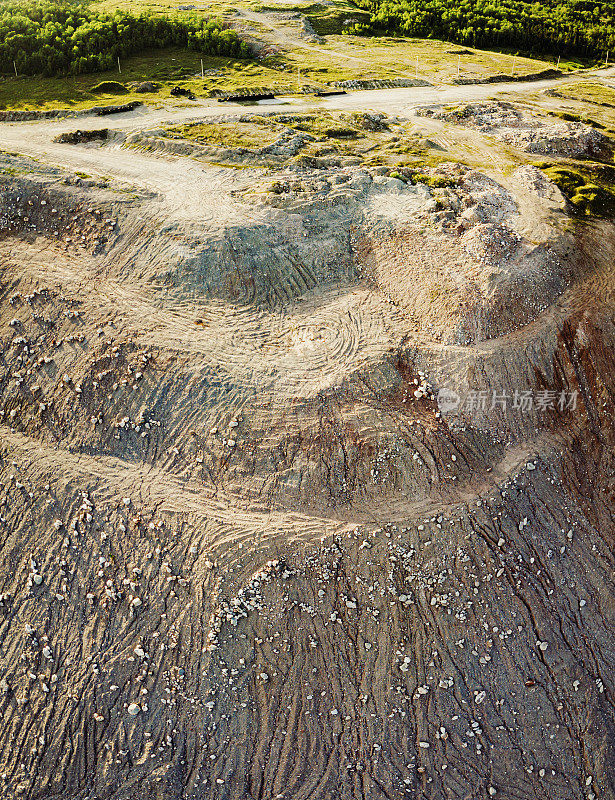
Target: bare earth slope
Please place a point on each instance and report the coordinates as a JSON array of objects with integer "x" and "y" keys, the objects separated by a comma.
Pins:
[{"x": 248, "y": 550}]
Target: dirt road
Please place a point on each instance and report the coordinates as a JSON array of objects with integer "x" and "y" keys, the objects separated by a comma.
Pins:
[{"x": 188, "y": 189}]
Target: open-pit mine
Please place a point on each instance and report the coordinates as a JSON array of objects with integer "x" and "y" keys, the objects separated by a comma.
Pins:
[{"x": 307, "y": 475}]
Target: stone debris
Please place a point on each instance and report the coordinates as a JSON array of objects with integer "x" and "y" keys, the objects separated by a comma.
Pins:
[{"x": 525, "y": 130}]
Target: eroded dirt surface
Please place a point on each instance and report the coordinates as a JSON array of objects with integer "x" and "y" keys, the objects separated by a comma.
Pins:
[{"x": 248, "y": 550}]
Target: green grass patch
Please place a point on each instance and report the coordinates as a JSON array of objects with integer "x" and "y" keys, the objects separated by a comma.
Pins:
[
  {"x": 170, "y": 67},
  {"x": 349, "y": 57},
  {"x": 252, "y": 135},
  {"x": 590, "y": 188},
  {"x": 595, "y": 93}
]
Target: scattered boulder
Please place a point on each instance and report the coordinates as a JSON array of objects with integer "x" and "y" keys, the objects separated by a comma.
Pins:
[
  {"x": 146, "y": 87},
  {"x": 370, "y": 121},
  {"x": 81, "y": 137}
]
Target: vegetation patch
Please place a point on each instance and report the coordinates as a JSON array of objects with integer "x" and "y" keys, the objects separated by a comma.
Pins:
[
  {"x": 348, "y": 57},
  {"x": 252, "y": 135},
  {"x": 159, "y": 70},
  {"x": 335, "y": 19},
  {"x": 52, "y": 39},
  {"x": 552, "y": 26},
  {"x": 595, "y": 93},
  {"x": 333, "y": 137},
  {"x": 590, "y": 188}
]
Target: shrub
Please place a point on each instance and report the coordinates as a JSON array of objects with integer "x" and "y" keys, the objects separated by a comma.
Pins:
[
  {"x": 109, "y": 87},
  {"x": 589, "y": 194}
]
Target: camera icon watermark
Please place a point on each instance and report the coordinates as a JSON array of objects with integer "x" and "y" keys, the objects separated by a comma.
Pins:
[{"x": 448, "y": 400}]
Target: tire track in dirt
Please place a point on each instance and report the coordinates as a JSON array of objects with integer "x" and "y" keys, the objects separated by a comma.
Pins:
[{"x": 312, "y": 345}]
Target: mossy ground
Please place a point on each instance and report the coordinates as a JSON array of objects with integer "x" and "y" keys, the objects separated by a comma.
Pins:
[
  {"x": 590, "y": 188},
  {"x": 335, "y": 134},
  {"x": 245, "y": 135}
]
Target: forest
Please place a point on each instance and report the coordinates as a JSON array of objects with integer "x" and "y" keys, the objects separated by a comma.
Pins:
[
  {"x": 558, "y": 27},
  {"x": 52, "y": 39}
]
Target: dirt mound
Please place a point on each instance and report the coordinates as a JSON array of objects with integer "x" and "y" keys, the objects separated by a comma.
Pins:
[
  {"x": 246, "y": 553},
  {"x": 83, "y": 137},
  {"x": 476, "y": 272},
  {"x": 571, "y": 139},
  {"x": 526, "y": 131}
]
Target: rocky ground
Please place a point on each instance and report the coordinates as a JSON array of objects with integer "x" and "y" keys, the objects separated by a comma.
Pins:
[
  {"x": 528, "y": 131},
  {"x": 306, "y": 482}
]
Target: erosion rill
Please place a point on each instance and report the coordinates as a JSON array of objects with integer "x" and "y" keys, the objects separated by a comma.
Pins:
[{"x": 305, "y": 493}]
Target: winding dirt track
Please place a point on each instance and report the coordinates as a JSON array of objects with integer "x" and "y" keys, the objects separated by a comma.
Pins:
[{"x": 191, "y": 191}]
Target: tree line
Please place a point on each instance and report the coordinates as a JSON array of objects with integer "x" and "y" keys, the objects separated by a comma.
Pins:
[
  {"x": 562, "y": 27},
  {"x": 53, "y": 39}
]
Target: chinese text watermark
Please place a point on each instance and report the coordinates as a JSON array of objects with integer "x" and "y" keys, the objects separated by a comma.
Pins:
[{"x": 513, "y": 399}]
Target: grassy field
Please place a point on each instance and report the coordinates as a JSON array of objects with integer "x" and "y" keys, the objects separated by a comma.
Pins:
[
  {"x": 339, "y": 58},
  {"x": 348, "y": 57},
  {"x": 168, "y": 68}
]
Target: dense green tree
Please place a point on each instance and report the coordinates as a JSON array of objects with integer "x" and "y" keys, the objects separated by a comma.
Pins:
[
  {"x": 55, "y": 39},
  {"x": 573, "y": 27}
]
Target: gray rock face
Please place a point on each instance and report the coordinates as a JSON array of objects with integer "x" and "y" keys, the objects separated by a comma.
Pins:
[{"x": 146, "y": 86}]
